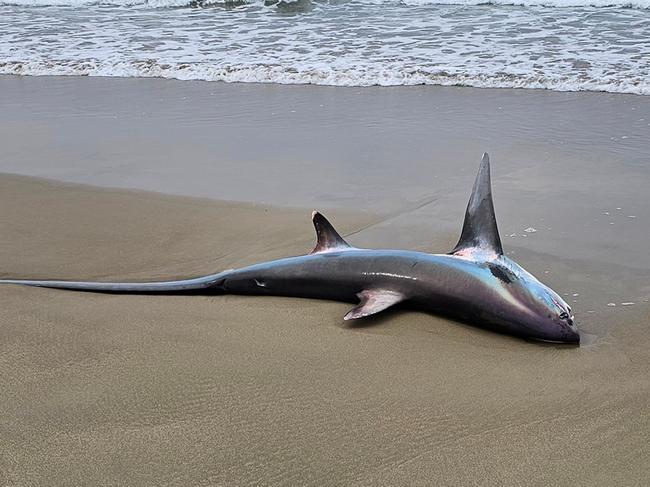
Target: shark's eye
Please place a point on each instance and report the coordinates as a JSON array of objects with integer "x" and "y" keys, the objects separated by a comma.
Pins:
[{"x": 563, "y": 316}]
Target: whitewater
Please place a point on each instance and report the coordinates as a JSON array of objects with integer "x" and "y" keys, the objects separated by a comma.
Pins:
[{"x": 566, "y": 45}]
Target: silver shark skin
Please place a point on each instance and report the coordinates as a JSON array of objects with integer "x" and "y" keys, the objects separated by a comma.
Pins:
[{"x": 475, "y": 283}]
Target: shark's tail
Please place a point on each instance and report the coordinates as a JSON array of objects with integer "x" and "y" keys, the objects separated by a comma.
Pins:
[{"x": 212, "y": 281}]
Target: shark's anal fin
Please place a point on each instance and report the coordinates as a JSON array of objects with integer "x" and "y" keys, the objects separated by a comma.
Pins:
[
  {"x": 328, "y": 239},
  {"x": 373, "y": 301},
  {"x": 480, "y": 232}
]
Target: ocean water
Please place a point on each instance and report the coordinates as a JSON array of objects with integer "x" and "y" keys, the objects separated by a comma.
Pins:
[{"x": 566, "y": 45}]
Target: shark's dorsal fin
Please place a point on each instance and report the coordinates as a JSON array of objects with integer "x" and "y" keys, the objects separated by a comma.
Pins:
[
  {"x": 328, "y": 239},
  {"x": 480, "y": 232},
  {"x": 373, "y": 301}
]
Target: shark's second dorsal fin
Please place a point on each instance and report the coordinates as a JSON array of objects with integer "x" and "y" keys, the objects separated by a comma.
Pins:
[
  {"x": 328, "y": 239},
  {"x": 480, "y": 232}
]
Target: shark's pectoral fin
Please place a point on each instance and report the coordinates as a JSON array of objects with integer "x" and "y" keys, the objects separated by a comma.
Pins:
[
  {"x": 480, "y": 233},
  {"x": 372, "y": 302},
  {"x": 328, "y": 239}
]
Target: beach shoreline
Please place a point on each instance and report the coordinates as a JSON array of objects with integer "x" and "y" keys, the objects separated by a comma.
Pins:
[{"x": 226, "y": 390}]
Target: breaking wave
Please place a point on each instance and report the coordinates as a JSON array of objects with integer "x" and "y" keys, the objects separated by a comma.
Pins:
[
  {"x": 334, "y": 42},
  {"x": 324, "y": 76}
]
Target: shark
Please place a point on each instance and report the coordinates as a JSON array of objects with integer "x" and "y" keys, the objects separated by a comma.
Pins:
[{"x": 475, "y": 283}]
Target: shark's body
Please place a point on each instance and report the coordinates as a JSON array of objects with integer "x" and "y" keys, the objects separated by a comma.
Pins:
[{"x": 475, "y": 282}]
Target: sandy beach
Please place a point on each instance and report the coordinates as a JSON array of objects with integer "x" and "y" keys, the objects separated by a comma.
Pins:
[{"x": 132, "y": 179}]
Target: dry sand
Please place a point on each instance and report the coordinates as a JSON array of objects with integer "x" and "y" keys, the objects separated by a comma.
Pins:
[{"x": 188, "y": 390}]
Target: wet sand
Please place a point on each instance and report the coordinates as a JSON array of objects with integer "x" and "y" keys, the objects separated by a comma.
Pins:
[{"x": 189, "y": 390}]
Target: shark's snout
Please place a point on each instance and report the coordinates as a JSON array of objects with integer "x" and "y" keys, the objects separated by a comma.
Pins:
[
  {"x": 572, "y": 334},
  {"x": 563, "y": 332},
  {"x": 569, "y": 329}
]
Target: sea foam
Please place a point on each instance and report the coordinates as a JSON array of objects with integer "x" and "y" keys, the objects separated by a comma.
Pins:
[
  {"x": 358, "y": 43},
  {"x": 638, "y": 4}
]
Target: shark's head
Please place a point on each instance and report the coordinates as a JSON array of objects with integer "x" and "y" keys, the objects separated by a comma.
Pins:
[
  {"x": 527, "y": 307},
  {"x": 518, "y": 302}
]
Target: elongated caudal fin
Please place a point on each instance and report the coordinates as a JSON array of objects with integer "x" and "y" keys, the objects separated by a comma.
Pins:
[
  {"x": 328, "y": 239},
  {"x": 480, "y": 232},
  {"x": 181, "y": 286}
]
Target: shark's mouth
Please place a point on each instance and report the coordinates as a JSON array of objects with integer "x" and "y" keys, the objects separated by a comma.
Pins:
[{"x": 558, "y": 342}]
